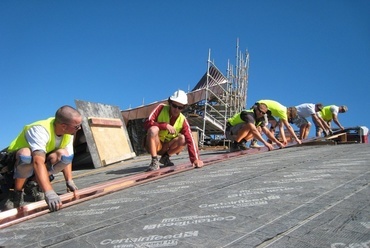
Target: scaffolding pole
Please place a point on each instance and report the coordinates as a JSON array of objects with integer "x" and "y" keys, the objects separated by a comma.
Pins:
[{"x": 223, "y": 100}]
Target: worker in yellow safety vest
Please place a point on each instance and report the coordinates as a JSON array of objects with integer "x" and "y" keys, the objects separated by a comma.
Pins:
[
  {"x": 42, "y": 149},
  {"x": 168, "y": 132},
  {"x": 330, "y": 113}
]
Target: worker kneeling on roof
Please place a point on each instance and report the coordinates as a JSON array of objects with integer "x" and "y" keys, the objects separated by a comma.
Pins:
[
  {"x": 247, "y": 125},
  {"x": 43, "y": 148},
  {"x": 168, "y": 132}
]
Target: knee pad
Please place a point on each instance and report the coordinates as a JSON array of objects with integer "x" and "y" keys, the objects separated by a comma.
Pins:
[
  {"x": 60, "y": 165},
  {"x": 24, "y": 168},
  {"x": 66, "y": 159},
  {"x": 24, "y": 159}
]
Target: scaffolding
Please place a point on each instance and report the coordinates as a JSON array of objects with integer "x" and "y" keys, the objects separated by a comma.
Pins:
[
  {"x": 213, "y": 100},
  {"x": 223, "y": 96},
  {"x": 238, "y": 81}
]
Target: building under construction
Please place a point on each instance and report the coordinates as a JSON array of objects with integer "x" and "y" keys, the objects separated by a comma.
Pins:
[{"x": 213, "y": 100}]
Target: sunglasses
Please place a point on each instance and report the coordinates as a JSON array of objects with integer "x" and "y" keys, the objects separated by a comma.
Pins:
[
  {"x": 75, "y": 127},
  {"x": 261, "y": 111},
  {"x": 177, "y": 106}
]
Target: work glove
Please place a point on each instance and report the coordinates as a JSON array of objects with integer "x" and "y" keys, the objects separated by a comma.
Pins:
[
  {"x": 71, "y": 186},
  {"x": 53, "y": 200}
]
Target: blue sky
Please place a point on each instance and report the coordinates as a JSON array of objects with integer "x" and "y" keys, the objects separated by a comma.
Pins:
[{"x": 126, "y": 53}]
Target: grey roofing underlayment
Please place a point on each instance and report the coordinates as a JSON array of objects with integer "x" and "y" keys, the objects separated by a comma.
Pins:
[{"x": 315, "y": 196}]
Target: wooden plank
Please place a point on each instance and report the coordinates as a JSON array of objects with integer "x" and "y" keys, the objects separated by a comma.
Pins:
[
  {"x": 109, "y": 122},
  {"x": 343, "y": 137}
]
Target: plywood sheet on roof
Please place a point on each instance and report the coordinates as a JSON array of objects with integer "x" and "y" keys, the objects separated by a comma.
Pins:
[{"x": 105, "y": 133}]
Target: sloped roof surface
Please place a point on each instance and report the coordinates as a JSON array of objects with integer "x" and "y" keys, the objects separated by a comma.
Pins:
[{"x": 315, "y": 196}]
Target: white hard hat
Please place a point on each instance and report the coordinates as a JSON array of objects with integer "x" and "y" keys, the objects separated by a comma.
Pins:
[{"x": 180, "y": 97}]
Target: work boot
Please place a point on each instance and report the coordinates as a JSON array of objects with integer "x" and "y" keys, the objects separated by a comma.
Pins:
[
  {"x": 234, "y": 147},
  {"x": 153, "y": 165},
  {"x": 165, "y": 160},
  {"x": 254, "y": 144},
  {"x": 15, "y": 200},
  {"x": 242, "y": 145},
  {"x": 33, "y": 189}
]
